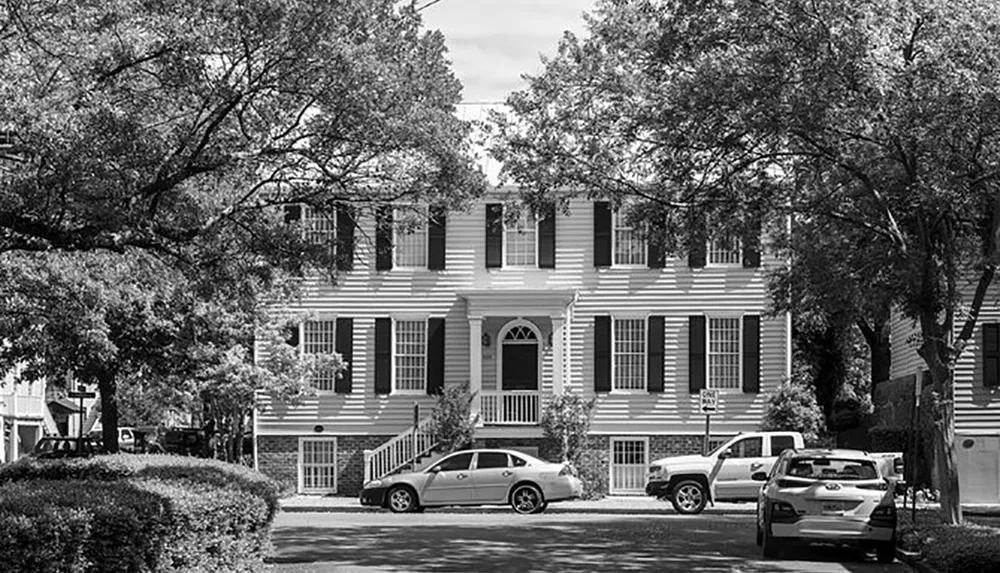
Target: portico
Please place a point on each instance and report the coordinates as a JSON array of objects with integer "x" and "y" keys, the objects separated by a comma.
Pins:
[{"x": 517, "y": 351}]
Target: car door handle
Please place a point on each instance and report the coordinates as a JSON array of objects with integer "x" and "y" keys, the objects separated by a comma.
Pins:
[
  {"x": 461, "y": 476},
  {"x": 507, "y": 473},
  {"x": 756, "y": 466}
]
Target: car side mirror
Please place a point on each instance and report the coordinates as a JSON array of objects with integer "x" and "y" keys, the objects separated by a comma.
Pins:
[
  {"x": 727, "y": 453},
  {"x": 435, "y": 469},
  {"x": 759, "y": 476}
]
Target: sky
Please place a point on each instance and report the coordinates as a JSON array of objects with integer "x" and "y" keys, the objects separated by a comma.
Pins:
[{"x": 492, "y": 42}]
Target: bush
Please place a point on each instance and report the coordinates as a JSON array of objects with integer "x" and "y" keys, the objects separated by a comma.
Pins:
[
  {"x": 792, "y": 407},
  {"x": 957, "y": 548},
  {"x": 566, "y": 425},
  {"x": 452, "y": 422},
  {"x": 141, "y": 513}
]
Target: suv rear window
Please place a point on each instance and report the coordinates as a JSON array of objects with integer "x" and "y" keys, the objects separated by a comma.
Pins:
[{"x": 832, "y": 468}]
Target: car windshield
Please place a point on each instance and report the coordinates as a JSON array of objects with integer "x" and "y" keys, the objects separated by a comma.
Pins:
[{"x": 832, "y": 468}]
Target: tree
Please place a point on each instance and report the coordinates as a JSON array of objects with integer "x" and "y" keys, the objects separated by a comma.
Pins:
[
  {"x": 566, "y": 422},
  {"x": 180, "y": 130},
  {"x": 878, "y": 117},
  {"x": 792, "y": 407},
  {"x": 452, "y": 423}
]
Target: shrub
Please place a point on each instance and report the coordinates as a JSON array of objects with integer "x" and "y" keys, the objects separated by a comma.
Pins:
[
  {"x": 792, "y": 407},
  {"x": 142, "y": 513},
  {"x": 958, "y": 548},
  {"x": 566, "y": 424},
  {"x": 452, "y": 422}
]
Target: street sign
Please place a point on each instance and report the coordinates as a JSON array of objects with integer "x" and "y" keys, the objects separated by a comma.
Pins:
[{"x": 709, "y": 400}]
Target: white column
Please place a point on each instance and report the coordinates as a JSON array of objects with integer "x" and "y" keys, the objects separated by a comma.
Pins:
[
  {"x": 558, "y": 340},
  {"x": 476, "y": 362}
]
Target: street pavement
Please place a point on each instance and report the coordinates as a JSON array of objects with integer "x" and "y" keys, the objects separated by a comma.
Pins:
[{"x": 611, "y": 535}]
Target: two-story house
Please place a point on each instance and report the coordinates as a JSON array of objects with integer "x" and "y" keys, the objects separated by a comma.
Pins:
[
  {"x": 22, "y": 416},
  {"x": 521, "y": 311},
  {"x": 977, "y": 397}
]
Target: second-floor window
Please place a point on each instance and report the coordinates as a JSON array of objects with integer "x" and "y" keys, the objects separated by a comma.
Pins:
[
  {"x": 410, "y": 243},
  {"x": 519, "y": 242},
  {"x": 319, "y": 337},
  {"x": 725, "y": 250},
  {"x": 319, "y": 228},
  {"x": 410, "y": 356},
  {"x": 629, "y": 246},
  {"x": 629, "y": 354},
  {"x": 724, "y": 353}
]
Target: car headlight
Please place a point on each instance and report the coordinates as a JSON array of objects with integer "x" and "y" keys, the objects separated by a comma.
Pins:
[
  {"x": 655, "y": 470},
  {"x": 373, "y": 483}
]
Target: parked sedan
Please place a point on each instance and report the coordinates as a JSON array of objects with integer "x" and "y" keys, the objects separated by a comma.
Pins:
[
  {"x": 835, "y": 496},
  {"x": 56, "y": 447},
  {"x": 477, "y": 477}
]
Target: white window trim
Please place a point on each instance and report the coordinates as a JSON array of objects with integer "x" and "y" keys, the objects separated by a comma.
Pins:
[
  {"x": 614, "y": 251},
  {"x": 425, "y": 229},
  {"x": 300, "y": 464},
  {"x": 395, "y": 379},
  {"x": 302, "y": 342},
  {"x": 307, "y": 215},
  {"x": 708, "y": 347},
  {"x": 504, "y": 248},
  {"x": 738, "y": 248},
  {"x": 645, "y": 354},
  {"x": 501, "y": 334},
  {"x": 611, "y": 460}
]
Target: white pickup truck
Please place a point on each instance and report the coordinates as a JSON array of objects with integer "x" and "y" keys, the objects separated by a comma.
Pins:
[{"x": 725, "y": 473}]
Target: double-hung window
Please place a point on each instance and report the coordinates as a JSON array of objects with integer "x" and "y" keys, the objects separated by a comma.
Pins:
[
  {"x": 629, "y": 354},
  {"x": 724, "y": 353},
  {"x": 319, "y": 337},
  {"x": 410, "y": 242},
  {"x": 520, "y": 244},
  {"x": 410, "y": 356},
  {"x": 725, "y": 250},
  {"x": 319, "y": 228},
  {"x": 629, "y": 245}
]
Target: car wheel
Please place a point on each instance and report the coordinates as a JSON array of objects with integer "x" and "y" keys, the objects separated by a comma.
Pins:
[
  {"x": 527, "y": 499},
  {"x": 885, "y": 551},
  {"x": 402, "y": 499},
  {"x": 689, "y": 497},
  {"x": 768, "y": 543}
]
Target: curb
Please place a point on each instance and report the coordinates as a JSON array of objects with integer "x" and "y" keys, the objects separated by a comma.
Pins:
[
  {"x": 914, "y": 561},
  {"x": 553, "y": 509}
]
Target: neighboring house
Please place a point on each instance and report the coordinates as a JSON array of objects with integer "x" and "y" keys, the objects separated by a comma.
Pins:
[
  {"x": 977, "y": 397},
  {"x": 572, "y": 302},
  {"x": 22, "y": 416}
]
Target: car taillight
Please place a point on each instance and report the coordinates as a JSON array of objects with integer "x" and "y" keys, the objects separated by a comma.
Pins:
[
  {"x": 884, "y": 512},
  {"x": 792, "y": 483},
  {"x": 880, "y": 486},
  {"x": 567, "y": 470}
]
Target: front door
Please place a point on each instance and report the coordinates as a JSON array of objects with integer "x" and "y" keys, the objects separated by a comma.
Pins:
[{"x": 520, "y": 366}]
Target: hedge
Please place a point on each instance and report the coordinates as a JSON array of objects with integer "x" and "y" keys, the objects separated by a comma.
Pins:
[
  {"x": 963, "y": 548},
  {"x": 126, "y": 513}
]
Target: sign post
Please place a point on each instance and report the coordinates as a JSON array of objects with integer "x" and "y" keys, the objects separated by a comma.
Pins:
[
  {"x": 81, "y": 393},
  {"x": 709, "y": 401}
]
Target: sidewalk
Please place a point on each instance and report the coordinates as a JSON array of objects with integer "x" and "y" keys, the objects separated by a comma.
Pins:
[{"x": 611, "y": 504}]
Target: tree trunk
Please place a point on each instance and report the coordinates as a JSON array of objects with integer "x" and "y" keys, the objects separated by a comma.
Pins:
[
  {"x": 881, "y": 353},
  {"x": 941, "y": 404},
  {"x": 108, "y": 388}
]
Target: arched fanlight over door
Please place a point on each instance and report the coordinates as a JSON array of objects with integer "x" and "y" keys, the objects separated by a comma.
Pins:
[{"x": 520, "y": 356}]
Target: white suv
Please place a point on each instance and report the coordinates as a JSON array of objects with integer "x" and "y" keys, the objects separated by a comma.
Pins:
[{"x": 837, "y": 496}]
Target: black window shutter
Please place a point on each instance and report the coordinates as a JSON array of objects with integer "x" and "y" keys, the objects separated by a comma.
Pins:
[
  {"x": 383, "y": 355},
  {"x": 547, "y": 238},
  {"x": 991, "y": 354},
  {"x": 345, "y": 347},
  {"x": 435, "y": 355},
  {"x": 655, "y": 258},
  {"x": 751, "y": 244},
  {"x": 654, "y": 354},
  {"x": 345, "y": 238},
  {"x": 697, "y": 239},
  {"x": 494, "y": 235},
  {"x": 696, "y": 353},
  {"x": 292, "y": 335},
  {"x": 602, "y": 234},
  {"x": 751, "y": 354},
  {"x": 293, "y": 213},
  {"x": 436, "y": 238},
  {"x": 602, "y": 354},
  {"x": 383, "y": 238}
]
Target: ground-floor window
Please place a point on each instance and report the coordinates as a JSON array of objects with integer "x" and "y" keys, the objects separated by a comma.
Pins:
[
  {"x": 317, "y": 465},
  {"x": 629, "y": 460}
]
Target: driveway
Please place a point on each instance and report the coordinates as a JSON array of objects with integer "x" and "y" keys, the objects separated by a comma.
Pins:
[{"x": 499, "y": 540}]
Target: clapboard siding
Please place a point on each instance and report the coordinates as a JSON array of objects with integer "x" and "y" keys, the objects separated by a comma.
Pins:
[
  {"x": 675, "y": 292},
  {"x": 977, "y": 407}
]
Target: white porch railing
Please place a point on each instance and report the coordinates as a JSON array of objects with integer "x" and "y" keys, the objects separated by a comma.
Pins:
[
  {"x": 511, "y": 408},
  {"x": 399, "y": 451}
]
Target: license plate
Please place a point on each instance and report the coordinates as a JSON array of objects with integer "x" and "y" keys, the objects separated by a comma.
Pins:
[{"x": 833, "y": 508}]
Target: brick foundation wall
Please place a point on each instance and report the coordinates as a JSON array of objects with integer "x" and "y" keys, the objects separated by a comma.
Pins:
[{"x": 278, "y": 457}]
